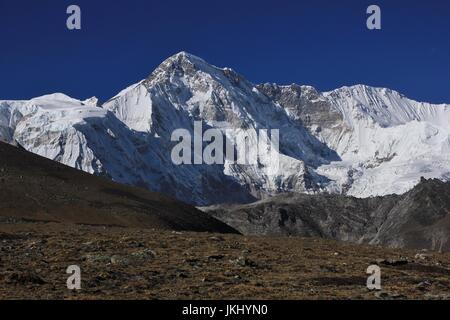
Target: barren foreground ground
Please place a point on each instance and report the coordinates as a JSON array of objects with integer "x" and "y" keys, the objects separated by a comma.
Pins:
[{"x": 131, "y": 263}]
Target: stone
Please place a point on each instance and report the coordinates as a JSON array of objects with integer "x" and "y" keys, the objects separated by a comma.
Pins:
[{"x": 422, "y": 256}]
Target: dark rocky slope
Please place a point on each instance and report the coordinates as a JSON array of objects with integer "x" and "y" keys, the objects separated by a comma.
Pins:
[
  {"x": 418, "y": 219},
  {"x": 35, "y": 188}
]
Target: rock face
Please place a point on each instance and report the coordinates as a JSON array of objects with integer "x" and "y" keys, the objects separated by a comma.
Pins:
[
  {"x": 418, "y": 219},
  {"x": 36, "y": 189},
  {"x": 359, "y": 140}
]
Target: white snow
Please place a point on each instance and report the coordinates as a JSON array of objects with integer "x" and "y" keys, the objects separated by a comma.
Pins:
[
  {"x": 384, "y": 144},
  {"x": 391, "y": 141}
]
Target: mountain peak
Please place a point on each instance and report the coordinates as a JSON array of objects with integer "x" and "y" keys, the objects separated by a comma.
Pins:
[
  {"x": 184, "y": 57},
  {"x": 92, "y": 101},
  {"x": 181, "y": 63},
  {"x": 362, "y": 89},
  {"x": 58, "y": 96}
]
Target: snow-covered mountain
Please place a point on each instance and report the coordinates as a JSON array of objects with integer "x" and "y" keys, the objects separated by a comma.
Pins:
[
  {"x": 386, "y": 141},
  {"x": 357, "y": 140}
]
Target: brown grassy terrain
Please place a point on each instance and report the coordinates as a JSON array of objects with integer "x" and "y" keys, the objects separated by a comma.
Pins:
[{"x": 130, "y": 263}]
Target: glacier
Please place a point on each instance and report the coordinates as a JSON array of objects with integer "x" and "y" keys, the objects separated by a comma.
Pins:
[{"x": 360, "y": 141}]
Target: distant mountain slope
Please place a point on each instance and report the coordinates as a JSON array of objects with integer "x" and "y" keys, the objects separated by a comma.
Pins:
[
  {"x": 385, "y": 141},
  {"x": 360, "y": 141},
  {"x": 35, "y": 188},
  {"x": 418, "y": 219}
]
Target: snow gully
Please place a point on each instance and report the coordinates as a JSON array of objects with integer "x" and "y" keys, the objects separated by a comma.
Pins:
[{"x": 252, "y": 147}]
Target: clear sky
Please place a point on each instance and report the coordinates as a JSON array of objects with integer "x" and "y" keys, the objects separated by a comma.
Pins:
[{"x": 321, "y": 43}]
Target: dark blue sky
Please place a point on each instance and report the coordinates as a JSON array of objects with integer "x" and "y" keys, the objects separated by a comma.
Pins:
[{"x": 322, "y": 43}]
